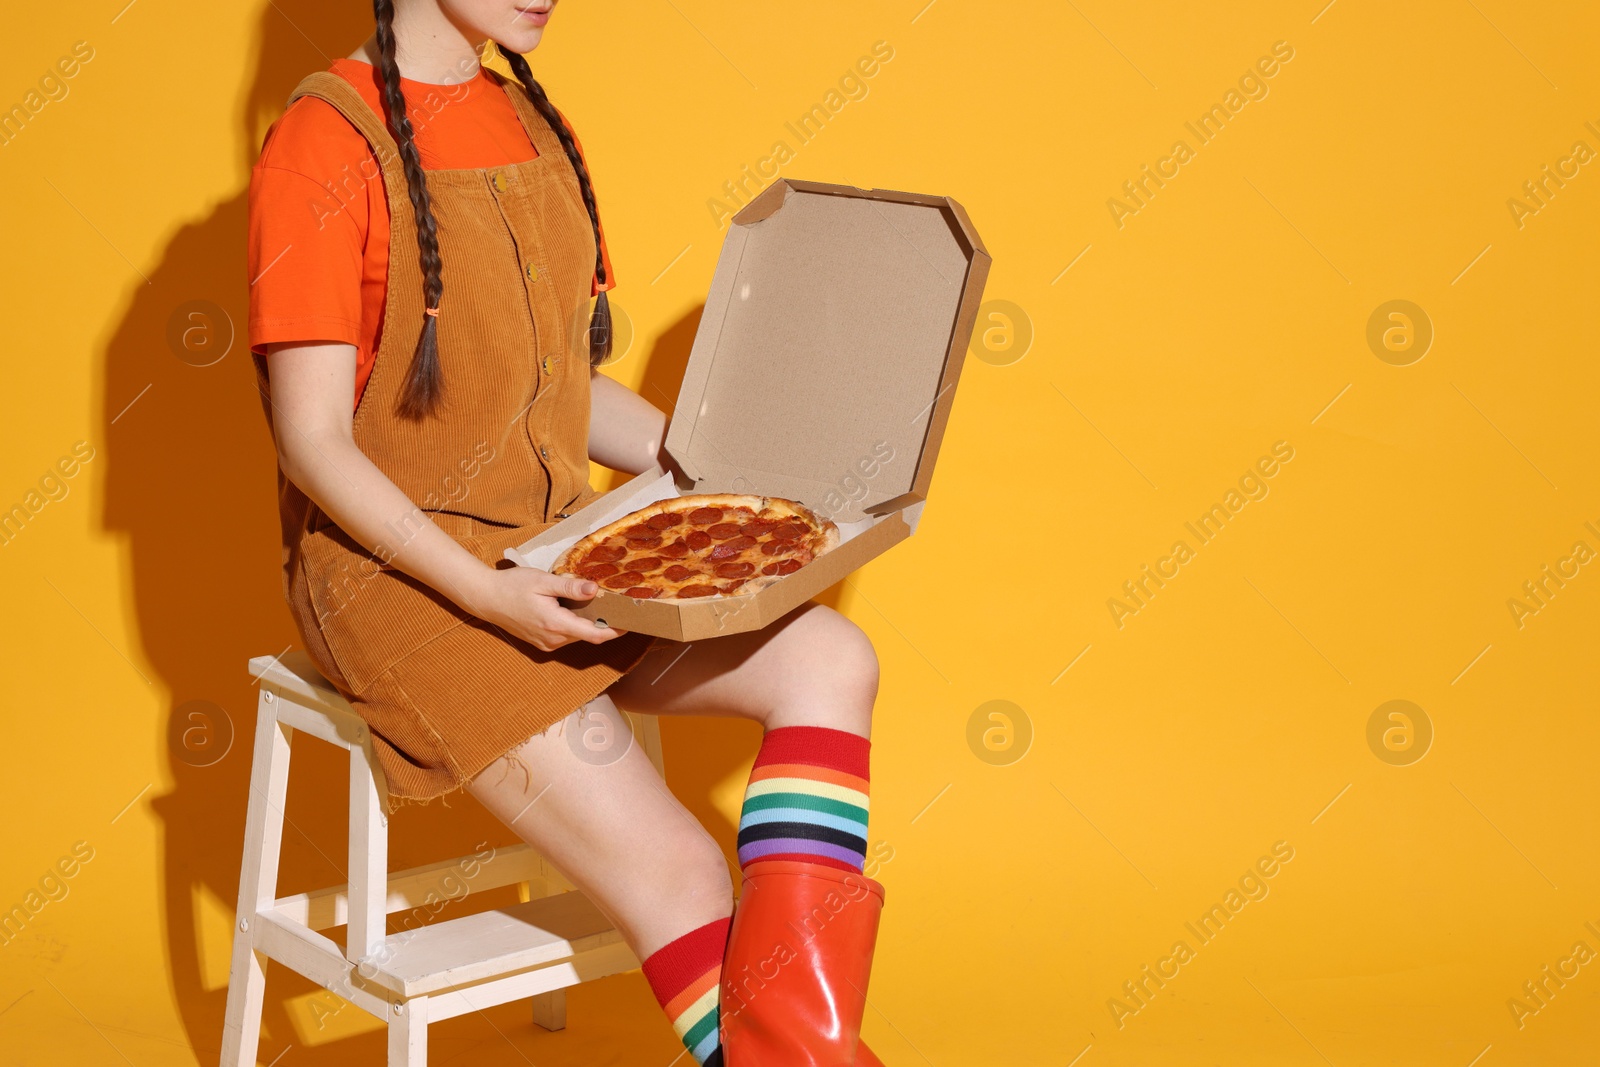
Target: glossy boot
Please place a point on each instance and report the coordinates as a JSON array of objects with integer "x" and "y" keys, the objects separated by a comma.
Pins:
[{"x": 794, "y": 977}]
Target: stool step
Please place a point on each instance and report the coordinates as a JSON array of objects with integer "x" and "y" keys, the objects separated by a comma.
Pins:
[{"x": 548, "y": 930}]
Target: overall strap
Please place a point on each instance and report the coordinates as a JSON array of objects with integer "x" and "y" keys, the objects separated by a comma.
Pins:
[
  {"x": 552, "y": 154},
  {"x": 343, "y": 98},
  {"x": 538, "y": 128},
  {"x": 403, "y": 298}
]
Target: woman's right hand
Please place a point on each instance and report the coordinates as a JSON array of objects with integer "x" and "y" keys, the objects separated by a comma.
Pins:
[{"x": 522, "y": 601}]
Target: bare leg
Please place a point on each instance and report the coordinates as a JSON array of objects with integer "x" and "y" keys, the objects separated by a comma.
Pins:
[
  {"x": 813, "y": 667},
  {"x": 616, "y": 830}
]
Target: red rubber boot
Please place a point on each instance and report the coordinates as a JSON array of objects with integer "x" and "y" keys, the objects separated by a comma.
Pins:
[{"x": 794, "y": 976}]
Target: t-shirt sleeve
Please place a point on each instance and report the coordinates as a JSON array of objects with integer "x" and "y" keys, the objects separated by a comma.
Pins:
[
  {"x": 307, "y": 228},
  {"x": 605, "y": 253}
]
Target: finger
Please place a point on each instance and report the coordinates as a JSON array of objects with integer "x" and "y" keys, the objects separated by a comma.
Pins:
[
  {"x": 544, "y": 638},
  {"x": 593, "y": 634},
  {"x": 576, "y": 627},
  {"x": 569, "y": 586}
]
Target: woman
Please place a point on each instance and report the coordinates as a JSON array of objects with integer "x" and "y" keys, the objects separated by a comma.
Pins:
[{"x": 423, "y": 235}]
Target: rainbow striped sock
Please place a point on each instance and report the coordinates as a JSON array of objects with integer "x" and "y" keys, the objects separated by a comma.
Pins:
[
  {"x": 686, "y": 976},
  {"x": 807, "y": 799}
]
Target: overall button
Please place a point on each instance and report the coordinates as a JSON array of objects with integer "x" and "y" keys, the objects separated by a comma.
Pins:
[
  {"x": 533, "y": 273},
  {"x": 547, "y": 364},
  {"x": 542, "y": 453},
  {"x": 499, "y": 181}
]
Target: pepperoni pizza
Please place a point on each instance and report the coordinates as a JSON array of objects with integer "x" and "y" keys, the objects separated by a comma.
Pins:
[{"x": 701, "y": 545}]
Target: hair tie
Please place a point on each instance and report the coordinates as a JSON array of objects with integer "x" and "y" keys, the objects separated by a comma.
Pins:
[{"x": 431, "y": 311}]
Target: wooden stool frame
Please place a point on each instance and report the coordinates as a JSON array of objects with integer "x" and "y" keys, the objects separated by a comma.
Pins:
[{"x": 534, "y": 950}]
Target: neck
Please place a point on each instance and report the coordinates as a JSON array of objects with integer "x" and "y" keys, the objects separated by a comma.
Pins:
[{"x": 428, "y": 47}]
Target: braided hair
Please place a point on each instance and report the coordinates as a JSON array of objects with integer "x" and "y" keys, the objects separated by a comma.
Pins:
[{"x": 424, "y": 382}]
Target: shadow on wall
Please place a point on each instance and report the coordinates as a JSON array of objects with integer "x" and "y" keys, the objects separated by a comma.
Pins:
[{"x": 190, "y": 485}]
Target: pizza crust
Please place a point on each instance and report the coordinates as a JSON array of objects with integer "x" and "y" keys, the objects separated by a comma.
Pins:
[{"x": 825, "y": 539}]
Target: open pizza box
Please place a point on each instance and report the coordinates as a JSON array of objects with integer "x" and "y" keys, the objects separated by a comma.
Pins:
[{"x": 823, "y": 371}]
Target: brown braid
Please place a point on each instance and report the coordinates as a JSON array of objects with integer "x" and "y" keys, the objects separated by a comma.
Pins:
[
  {"x": 600, "y": 322},
  {"x": 424, "y": 382}
]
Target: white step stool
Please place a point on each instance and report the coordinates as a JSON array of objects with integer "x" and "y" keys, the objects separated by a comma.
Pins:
[{"x": 533, "y": 950}]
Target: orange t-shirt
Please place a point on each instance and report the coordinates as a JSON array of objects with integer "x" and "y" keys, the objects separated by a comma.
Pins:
[{"x": 319, "y": 230}]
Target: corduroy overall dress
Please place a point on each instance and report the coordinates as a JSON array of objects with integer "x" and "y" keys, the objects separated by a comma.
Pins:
[{"x": 505, "y": 456}]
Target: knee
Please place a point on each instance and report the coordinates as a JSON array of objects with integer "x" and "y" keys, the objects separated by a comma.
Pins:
[
  {"x": 841, "y": 663},
  {"x": 699, "y": 872},
  {"x": 855, "y": 659}
]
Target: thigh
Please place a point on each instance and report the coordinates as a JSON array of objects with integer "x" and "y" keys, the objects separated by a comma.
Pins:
[
  {"x": 588, "y": 799},
  {"x": 813, "y": 666}
]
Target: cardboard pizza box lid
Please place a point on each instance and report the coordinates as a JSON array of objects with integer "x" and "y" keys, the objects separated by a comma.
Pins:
[
  {"x": 826, "y": 358},
  {"x": 823, "y": 370}
]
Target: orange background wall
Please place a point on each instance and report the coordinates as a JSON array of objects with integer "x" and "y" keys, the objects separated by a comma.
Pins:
[{"x": 1141, "y": 363}]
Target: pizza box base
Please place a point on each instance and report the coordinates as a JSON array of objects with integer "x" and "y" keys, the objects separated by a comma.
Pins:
[{"x": 701, "y": 618}]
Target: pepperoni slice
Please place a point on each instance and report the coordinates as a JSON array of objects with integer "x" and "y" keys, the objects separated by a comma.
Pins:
[
  {"x": 698, "y": 539},
  {"x": 789, "y": 531},
  {"x": 690, "y": 591},
  {"x": 596, "y": 571},
  {"x": 645, "y": 564},
  {"x": 663, "y": 520},
  {"x": 705, "y": 517},
  {"x": 644, "y": 540},
  {"x": 677, "y": 573},
  {"x": 758, "y": 527},
  {"x": 724, "y": 530},
  {"x": 728, "y": 587},
  {"x": 677, "y": 550},
  {"x": 606, "y": 554},
  {"x": 643, "y": 592},
  {"x": 729, "y": 549},
  {"x": 783, "y": 566},
  {"x": 623, "y": 580},
  {"x": 775, "y": 548},
  {"x": 735, "y": 570}
]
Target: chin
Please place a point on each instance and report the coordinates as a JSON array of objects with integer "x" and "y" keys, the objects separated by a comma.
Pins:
[
  {"x": 520, "y": 39},
  {"x": 516, "y": 24}
]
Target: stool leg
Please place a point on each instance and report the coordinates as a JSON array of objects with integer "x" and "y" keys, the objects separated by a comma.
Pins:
[
  {"x": 369, "y": 860},
  {"x": 550, "y": 1010},
  {"x": 258, "y": 883},
  {"x": 408, "y": 1033},
  {"x": 247, "y": 988}
]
